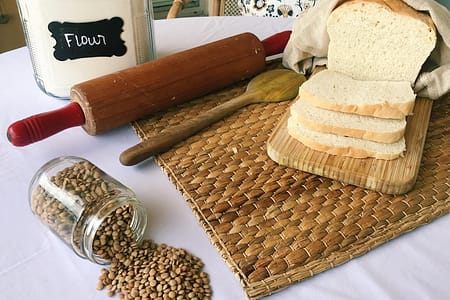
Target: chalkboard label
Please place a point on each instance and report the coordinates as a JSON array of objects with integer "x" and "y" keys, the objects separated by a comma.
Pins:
[{"x": 89, "y": 39}]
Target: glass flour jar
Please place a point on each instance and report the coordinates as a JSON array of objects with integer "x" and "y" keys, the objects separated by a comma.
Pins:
[
  {"x": 73, "y": 41},
  {"x": 75, "y": 199}
]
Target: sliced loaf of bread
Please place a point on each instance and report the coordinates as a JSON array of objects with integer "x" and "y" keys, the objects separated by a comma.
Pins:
[
  {"x": 379, "y": 40},
  {"x": 343, "y": 145},
  {"x": 346, "y": 124},
  {"x": 335, "y": 91}
]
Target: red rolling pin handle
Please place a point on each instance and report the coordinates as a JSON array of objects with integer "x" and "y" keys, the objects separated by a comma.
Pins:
[
  {"x": 41, "y": 126},
  {"x": 276, "y": 43}
]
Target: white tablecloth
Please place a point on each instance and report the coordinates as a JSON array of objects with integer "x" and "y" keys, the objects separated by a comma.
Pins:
[{"x": 34, "y": 264}]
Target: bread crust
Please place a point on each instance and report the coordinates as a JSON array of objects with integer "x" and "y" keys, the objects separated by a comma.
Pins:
[
  {"x": 397, "y": 6},
  {"x": 385, "y": 110},
  {"x": 342, "y": 151}
]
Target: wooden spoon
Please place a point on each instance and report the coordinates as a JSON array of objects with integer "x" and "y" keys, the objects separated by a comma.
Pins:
[{"x": 270, "y": 86}]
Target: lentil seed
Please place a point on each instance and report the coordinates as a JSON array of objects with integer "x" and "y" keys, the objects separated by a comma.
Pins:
[{"x": 147, "y": 270}]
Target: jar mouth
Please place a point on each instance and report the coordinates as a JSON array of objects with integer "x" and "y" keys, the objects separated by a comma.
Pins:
[{"x": 90, "y": 226}]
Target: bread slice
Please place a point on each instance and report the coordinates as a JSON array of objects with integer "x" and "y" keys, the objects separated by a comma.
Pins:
[
  {"x": 335, "y": 91},
  {"x": 342, "y": 145},
  {"x": 352, "y": 125},
  {"x": 379, "y": 40}
]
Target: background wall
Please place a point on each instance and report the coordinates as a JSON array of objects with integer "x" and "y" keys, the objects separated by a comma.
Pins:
[
  {"x": 11, "y": 34},
  {"x": 445, "y": 2}
]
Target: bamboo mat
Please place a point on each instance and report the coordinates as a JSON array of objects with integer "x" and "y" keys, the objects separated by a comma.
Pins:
[{"x": 275, "y": 225}]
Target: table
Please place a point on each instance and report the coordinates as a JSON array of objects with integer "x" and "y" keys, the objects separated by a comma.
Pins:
[{"x": 35, "y": 264}]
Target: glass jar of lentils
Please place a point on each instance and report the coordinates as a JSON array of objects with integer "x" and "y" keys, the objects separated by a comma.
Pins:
[{"x": 86, "y": 208}]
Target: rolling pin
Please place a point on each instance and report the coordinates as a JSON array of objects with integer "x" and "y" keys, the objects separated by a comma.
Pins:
[{"x": 113, "y": 100}]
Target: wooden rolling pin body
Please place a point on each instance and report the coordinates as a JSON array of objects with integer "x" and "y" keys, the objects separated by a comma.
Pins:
[
  {"x": 113, "y": 100},
  {"x": 121, "y": 97}
]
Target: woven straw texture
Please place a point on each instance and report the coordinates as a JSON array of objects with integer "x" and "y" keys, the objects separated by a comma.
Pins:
[{"x": 274, "y": 225}]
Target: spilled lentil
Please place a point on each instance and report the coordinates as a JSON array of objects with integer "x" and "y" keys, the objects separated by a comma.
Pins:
[{"x": 146, "y": 270}]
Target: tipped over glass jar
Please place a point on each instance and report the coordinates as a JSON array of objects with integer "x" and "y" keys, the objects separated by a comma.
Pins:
[{"x": 90, "y": 211}]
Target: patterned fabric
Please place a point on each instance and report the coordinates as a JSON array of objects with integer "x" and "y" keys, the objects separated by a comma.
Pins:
[
  {"x": 270, "y": 8},
  {"x": 231, "y": 8}
]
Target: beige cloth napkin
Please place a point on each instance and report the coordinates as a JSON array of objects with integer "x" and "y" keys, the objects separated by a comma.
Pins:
[{"x": 308, "y": 45}]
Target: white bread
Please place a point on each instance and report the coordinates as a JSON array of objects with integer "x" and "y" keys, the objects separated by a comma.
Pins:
[
  {"x": 336, "y": 91},
  {"x": 379, "y": 40},
  {"x": 342, "y": 145},
  {"x": 353, "y": 125}
]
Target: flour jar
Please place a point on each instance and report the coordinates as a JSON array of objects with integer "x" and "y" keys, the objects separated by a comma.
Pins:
[
  {"x": 76, "y": 40},
  {"x": 75, "y": 199}
]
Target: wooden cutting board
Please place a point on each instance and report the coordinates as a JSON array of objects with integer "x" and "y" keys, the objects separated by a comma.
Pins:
[{"x": 396, "y": 176}]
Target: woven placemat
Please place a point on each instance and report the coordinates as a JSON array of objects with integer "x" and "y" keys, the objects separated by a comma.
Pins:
[{"x": 274, "y": 225}]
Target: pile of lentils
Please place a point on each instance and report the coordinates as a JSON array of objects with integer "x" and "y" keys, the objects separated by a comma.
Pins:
[
  {"x": 139, "y": 271},
  {"x": 146, "y": 270}
]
